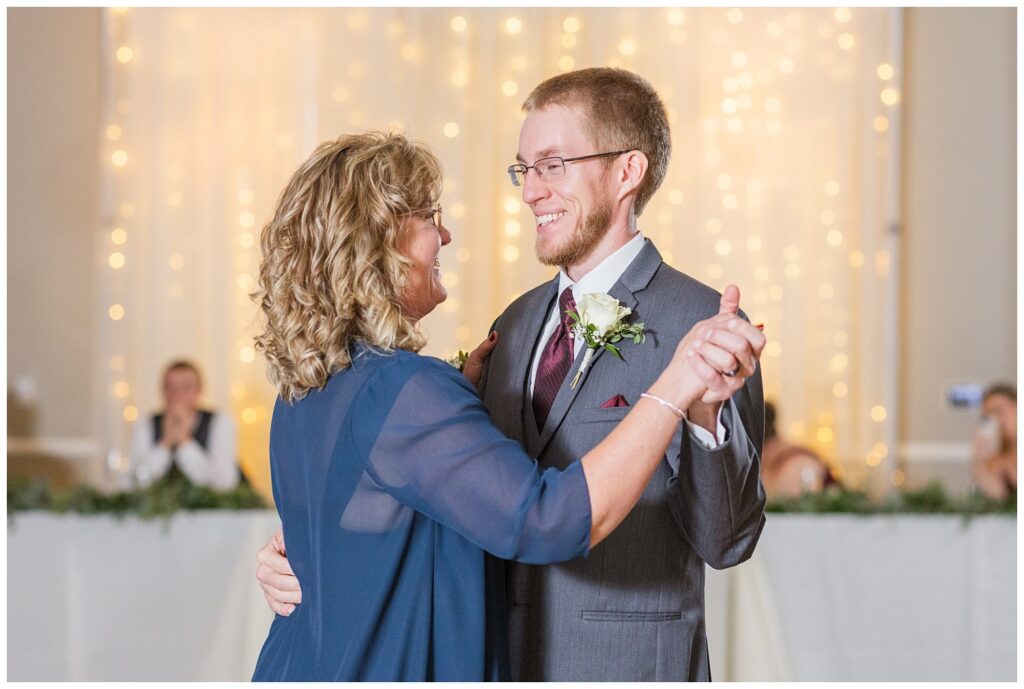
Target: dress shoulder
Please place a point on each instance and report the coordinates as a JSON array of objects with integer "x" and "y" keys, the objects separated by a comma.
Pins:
[{"x": 435, "y": 381}]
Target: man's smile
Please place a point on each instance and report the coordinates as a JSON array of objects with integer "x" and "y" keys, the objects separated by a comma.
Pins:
[{"x": 548, "y": 218}]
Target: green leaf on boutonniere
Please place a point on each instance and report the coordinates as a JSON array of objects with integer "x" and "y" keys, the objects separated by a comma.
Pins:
[{"x": 614, "y": 350}]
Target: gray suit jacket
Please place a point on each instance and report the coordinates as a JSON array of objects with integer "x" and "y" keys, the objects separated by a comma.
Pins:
[{"x": 633, "y": 609}]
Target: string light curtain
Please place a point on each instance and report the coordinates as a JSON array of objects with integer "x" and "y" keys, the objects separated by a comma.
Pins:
[{"x": 783, "y": 180}]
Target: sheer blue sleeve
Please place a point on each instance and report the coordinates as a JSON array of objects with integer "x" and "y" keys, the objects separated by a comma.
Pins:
[{"x": 430, "y": 444}]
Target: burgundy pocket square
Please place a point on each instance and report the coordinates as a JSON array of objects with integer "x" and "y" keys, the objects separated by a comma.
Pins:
[{"x": 617, "y": 401}]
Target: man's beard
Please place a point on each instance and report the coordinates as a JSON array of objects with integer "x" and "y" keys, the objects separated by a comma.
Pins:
[{"x": 582, "y": 241}]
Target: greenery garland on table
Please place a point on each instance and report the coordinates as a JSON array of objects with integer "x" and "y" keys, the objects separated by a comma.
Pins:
[
  {"x": 932, "y": 499},
  {"x": 166, "y": 497},
  {"x": 161, "y": 499}
]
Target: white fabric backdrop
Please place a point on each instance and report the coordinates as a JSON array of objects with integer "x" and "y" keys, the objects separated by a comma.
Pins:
[
  {"x": 824, "y": 598},
  {"x": 783, "y": 180}
]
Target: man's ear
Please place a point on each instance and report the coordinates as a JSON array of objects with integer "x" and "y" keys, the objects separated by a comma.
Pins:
[{"x": 632, "y": 170}]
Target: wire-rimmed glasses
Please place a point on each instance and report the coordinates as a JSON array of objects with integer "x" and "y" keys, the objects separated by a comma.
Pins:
[{"x": 551, "y": 168}]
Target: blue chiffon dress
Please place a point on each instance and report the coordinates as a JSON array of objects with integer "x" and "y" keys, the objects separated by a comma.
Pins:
[{"x": 393, "y": 486}]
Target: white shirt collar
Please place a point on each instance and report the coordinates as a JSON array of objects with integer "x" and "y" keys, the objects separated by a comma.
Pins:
[{"x": 604, "y": 274}]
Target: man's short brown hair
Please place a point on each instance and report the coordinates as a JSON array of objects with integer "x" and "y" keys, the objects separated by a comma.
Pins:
[
  {"x": 183, "y": 365},
  {"x": 622, "y": 111}
]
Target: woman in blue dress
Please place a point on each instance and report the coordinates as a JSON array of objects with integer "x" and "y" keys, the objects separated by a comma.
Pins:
[{"x": 393, "y": 487}]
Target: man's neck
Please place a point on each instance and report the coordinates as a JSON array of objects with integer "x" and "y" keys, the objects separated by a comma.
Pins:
[{"x": 612, "y": 241}]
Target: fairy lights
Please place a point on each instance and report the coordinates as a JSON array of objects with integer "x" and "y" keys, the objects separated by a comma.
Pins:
[{"x": 747, "y": 202}]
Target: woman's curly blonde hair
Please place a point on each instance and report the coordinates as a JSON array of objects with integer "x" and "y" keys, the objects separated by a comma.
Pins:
[{"x": 331, "y": 273}]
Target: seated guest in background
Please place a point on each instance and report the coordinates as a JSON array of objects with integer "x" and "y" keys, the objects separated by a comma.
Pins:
[
  {"x": 787, "y": 469},
  {"x": 994, "y": 448},
  {"x": 183, "y": 440}
]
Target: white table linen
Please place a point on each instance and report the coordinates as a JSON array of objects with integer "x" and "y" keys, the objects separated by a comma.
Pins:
[{"x": 93, "y": 598}]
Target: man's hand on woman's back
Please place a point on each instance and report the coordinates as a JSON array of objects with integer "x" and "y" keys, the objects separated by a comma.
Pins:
[{"x": 278, "y": 581}]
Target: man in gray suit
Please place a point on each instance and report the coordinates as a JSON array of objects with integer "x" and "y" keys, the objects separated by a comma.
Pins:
[{"x": 593, "y": 149}]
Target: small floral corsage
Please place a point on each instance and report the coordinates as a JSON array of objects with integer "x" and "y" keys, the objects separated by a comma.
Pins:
[
  {"x": 459, "y": 360},
  {"x": 600, "y": 321}
]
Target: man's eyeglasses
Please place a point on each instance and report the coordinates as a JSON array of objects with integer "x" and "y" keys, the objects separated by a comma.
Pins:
[
  {"x": 433, "y": 214},
  {"x": 551, "y": 168}
]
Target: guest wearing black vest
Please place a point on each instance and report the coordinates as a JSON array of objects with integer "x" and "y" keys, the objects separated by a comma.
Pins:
[{"x": 183, "y": 441}]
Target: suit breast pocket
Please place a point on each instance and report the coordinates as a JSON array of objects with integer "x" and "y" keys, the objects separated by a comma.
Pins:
[
  {"x": 609, "y": 616},
  {"x": 612, "y": 414}
]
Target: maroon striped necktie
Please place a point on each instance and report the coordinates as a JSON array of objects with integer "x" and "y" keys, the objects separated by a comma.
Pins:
[{"x": 555, "y": 361}]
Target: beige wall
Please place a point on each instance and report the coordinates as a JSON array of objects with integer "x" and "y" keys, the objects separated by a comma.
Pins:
[
  {"x": 53, "y": 191},
  {"x": 960, "y": 222}
]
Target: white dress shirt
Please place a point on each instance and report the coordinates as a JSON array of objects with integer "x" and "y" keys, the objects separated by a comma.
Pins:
[
  {"x": 214, "y": 466},
  {"x": 601, "y": 279}
]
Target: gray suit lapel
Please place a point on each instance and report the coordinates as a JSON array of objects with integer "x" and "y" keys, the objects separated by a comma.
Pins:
[
  {"x": 635, "y": 279},
  {"x": 525, "y": 341}
]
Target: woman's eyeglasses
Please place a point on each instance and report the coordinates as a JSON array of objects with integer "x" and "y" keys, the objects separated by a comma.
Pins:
[{"x": 433, "y": 214}]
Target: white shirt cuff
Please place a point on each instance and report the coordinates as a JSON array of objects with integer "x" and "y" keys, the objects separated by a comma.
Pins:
[{"x": 702, "y": 436}]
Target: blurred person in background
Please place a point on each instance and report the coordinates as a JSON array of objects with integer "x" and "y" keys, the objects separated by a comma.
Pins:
[
  {"x": 183, "y": 441},
  {"x": 789, "y": 470},
  {"x": 994, "y": 446}
]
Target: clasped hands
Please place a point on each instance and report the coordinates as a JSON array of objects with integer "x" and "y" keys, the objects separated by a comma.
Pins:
[
  {"x": 723, "y": 352},
  {"x": 178, "y": 422}
]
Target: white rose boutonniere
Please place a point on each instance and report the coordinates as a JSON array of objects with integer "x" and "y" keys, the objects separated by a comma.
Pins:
[{"x": 600, "y": 321}]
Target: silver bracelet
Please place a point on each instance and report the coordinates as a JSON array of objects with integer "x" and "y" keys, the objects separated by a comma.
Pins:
[{"x": 665, "y": 403}]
